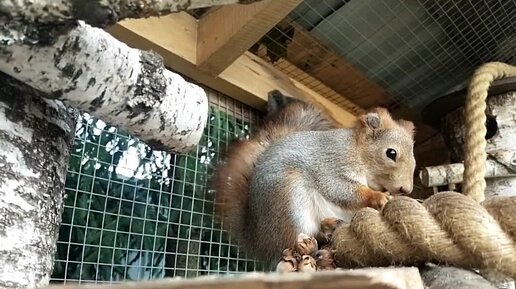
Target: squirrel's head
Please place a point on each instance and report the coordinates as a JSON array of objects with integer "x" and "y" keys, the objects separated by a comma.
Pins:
[{"x": 387, "y": 148}]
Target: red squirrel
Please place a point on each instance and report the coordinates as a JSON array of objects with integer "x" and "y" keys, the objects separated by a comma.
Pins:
[{"x": 301, "y": 167}]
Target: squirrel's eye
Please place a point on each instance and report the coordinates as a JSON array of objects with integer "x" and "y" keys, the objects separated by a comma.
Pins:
[{"x": 392, "y": 154}]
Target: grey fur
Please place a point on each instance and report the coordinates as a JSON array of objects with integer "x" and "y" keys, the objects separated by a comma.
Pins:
[{"x": 331, "y": 164}]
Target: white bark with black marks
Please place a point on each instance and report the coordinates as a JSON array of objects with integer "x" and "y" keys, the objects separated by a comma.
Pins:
[
  {"x": 435, "y": 176},
  {"x": 99, "y": 13},
  {"x": 35, "y": 139},
  {"x": 500, "y": 148},
  {"x": 87, "y": 68}
]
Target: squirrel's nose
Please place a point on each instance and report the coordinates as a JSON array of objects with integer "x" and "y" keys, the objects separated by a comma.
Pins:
[{"x": 405, "y": 191}]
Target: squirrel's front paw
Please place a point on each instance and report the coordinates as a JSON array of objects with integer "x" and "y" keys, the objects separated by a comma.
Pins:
[
  {"x": 372, "y": 198},
  {"x": 379, "y": 200}
]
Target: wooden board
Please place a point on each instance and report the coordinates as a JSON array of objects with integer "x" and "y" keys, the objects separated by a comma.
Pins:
[
  {"x": 318, "y": 60},
  {"x": 225, "y": 34},
  {"x": 372, "y": 278}
]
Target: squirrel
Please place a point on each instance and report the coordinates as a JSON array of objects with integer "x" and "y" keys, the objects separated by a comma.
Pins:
[{"x": 301, "y": 167}]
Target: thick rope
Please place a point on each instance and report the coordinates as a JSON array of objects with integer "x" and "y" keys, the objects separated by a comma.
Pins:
[
  {"x": 474, "y": 183},
  {"x": 448, "y": 228}
]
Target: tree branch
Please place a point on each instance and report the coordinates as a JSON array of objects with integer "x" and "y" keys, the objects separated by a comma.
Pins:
[
  {"x": 88, "y": 69},
  {"x": 452, "y": 173},
  {"x": 99, "y": 13},
  {"x": 35, "y": 139}
]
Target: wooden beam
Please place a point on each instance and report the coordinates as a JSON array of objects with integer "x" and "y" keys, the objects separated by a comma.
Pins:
[
  {"x": 318, "y": 86},
  {"x": 226, "y": 33},
  {"x": 248, "y": 79},
  {"x": 320, "y": 61}
]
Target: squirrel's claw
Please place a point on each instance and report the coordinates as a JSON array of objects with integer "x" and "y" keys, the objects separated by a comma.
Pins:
[{"x": 378, "y": 200}]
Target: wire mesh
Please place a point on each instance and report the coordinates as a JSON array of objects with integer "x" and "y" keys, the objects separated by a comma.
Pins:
[
  {"x": 132, "y": 213},
  {"x": 393, "y": 53}
]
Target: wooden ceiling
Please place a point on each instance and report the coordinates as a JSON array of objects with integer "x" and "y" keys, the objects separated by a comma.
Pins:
[{"x": 213, "y": 49}]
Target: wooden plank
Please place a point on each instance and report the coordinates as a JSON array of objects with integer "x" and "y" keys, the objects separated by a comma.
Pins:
[
  {"x": 321, "y": 62},
  {"x": 250, "y": 69},
  {"x": 316, "y": 85},
  {"x": 226, "y": 33},
  {"x": 248, "y": 79},
  {"x": 372, "y": 278}
]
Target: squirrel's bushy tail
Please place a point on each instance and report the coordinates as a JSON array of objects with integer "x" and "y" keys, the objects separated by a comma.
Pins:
[{"x": 231, "y": 181}]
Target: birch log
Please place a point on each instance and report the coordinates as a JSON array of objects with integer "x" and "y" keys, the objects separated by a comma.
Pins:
[
  {"x": 35, "y": 139},
  {"x": 99, "y": 13},
  {"x": 88, "y": 69},
  {"x": 452, "y": 173},
  {"x": 501, "y": 147}
]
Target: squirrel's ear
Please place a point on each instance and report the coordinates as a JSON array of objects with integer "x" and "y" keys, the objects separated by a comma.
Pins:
[
  {"x": 408, "y": 126},
  {"x": 372, "y": 120},
  {"x": 377, "y": 118}
]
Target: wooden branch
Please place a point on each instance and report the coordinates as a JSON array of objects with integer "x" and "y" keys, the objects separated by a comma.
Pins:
[
  {"x": 88, "y": 69},
  {"x": 373, "y": 278},
  {"x": 99, "y": 13},
  {"x": 228, "y": 32},
  {"x": 452, "y": 173},
  {"x": 248, "y": 79},
  {"x": 35, "y": 139}
]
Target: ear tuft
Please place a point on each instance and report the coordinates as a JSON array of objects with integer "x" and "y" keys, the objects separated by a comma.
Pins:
[
  {"x": 377, "y": 118},
  {"x": 372, "y": 120},
  {"x": 408, "y": 126}
]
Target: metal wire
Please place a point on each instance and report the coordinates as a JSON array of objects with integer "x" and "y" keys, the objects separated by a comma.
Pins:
[
  {"x": 132, "y": 213},
  {"x": 413, "y": 51},
  {"x": 135, "y": 214}
]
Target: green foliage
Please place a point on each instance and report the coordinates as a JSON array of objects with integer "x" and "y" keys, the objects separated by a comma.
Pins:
[{"x": 132, "y": 213}]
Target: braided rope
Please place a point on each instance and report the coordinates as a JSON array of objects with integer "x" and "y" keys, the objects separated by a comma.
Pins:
[
  {"x": 474, "y": 183},
  {"x": 448, "y": 228}
]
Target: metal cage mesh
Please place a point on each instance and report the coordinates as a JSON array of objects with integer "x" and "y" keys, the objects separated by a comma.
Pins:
[
  {"x": 393, "y": 53},
  {"x": 132, "y": 213}
]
